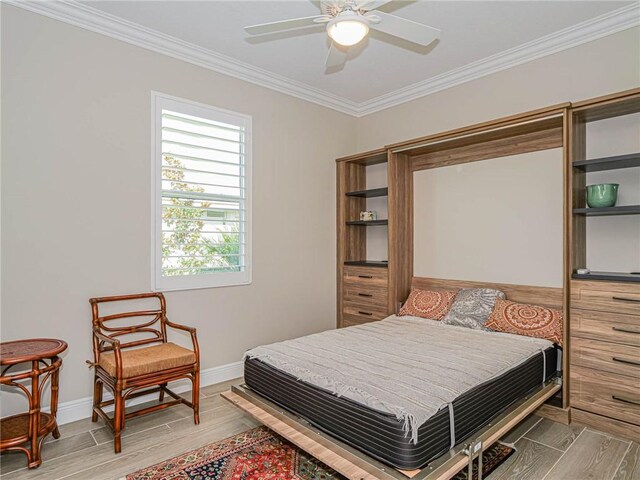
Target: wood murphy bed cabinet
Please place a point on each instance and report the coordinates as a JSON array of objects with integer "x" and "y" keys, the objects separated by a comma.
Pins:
[{"x": 601, "y": 360}]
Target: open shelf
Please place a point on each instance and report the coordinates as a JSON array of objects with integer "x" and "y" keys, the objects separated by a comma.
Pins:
[
  {"x": 372, "y": 157},
  {"x": 607, "y": 211},
  {"x": 15, "y": 429},
  {"x": 373, "y": 192},
  {"x": 370, "y": 223},
  {"x": 609, "y": 163},
  {"x": 367, "y": 263},
  {"x": 607, "y": 276}
]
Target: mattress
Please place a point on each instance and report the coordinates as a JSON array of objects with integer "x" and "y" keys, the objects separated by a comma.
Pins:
[
  {"x": 381, "y": 435},
  {"x": 407, "y": 366}
]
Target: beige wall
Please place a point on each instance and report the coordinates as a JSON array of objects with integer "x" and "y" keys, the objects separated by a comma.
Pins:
[
  {"x": 498, "y": 220},
  {"x": 604, "y": 66},
  {"x": 76, "y": 195}
]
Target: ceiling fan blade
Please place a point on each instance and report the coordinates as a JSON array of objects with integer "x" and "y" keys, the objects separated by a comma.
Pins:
[
  {"x": 283, "y": 25},
  {"x": 327, "y": 5},
  {"x": 408, "y": 30},
  {"x": 336, "y": 57},
  {"x": 369, "y": 5}
]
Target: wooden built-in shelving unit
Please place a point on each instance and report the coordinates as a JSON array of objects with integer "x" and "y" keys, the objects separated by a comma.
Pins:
[
  {"x": 362, "y": 282},
  {"x": 604, "y": 348},
  {"x": 367, "y": 287},
  {"x": 370, "y": 290}
]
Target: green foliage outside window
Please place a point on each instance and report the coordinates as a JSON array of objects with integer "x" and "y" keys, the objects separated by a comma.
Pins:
[{"x": 185, "y": 250}]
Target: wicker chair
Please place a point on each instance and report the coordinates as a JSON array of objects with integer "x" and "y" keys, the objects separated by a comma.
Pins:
[{"x": 129, "y": 372}]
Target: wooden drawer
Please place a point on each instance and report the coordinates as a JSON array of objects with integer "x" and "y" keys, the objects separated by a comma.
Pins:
[
  {"x": 375, "y": 295},
  {"x": 361, "y": 314},
  {"x": 618, "y": 328},
  {"x": 365, "y": 276},
  {"x": 608, "y": 394},
  {"x": 609, "y": 357},
  {"x": 348, "y": 322},
  {"x": 606, "y": 296}
]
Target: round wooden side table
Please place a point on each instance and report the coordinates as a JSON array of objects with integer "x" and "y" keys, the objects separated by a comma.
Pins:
[{"x": 34, "y": 425}]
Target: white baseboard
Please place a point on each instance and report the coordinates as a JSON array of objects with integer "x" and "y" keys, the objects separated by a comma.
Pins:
[{"x": 78, "y": 409}]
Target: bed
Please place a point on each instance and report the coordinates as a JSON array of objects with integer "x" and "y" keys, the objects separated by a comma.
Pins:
[
  {"x": 375, "y": 429},
  {"x": 337, "y": 420}
]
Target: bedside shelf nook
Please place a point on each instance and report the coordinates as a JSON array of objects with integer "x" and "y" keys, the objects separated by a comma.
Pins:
[
  {"x": 367, "y": 283},
  {"x": 608, "y": 211},
  {"x": 373, "y": 192}
]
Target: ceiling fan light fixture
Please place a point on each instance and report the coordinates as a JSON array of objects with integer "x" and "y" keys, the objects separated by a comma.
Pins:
[{"x": 347, "y": 30}]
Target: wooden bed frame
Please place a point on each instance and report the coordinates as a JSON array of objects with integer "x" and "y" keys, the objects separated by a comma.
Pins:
[
  {"x": 354, "y": 464},
  {"x": 546, "y": 296}
]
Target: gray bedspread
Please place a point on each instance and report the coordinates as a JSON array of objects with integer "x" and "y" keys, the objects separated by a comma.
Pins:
[{"x": 406, "y": 366}]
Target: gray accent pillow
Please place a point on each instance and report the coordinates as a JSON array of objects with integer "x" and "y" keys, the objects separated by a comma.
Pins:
[{"x": 472, "y": 307}]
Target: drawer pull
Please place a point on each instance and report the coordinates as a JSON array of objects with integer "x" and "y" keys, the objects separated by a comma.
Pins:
[
  {"x": 625, "y": 299},
  {"x": 625, "y": 400},
  {"x": 365, "y": 313},
  {"x": 625, "y": 330},
  {"x": 365, "y": 295},
  {"x": 630, "y": 362},
  {"x": 365, "y": 276}
]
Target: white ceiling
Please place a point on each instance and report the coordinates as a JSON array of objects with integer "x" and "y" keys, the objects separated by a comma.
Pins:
[
  {"x": 471, "y": 30},
  {"x": 478, "y": 38}
]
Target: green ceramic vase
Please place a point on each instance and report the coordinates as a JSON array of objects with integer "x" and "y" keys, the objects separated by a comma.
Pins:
[{"x": 602, "y": 195}]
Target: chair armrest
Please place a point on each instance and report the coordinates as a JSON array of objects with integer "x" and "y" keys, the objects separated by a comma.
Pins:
[
  {"x": 177, "y": 326},
  {"x": 115, "y": 345},
  {"x": 191, "y": 330}
]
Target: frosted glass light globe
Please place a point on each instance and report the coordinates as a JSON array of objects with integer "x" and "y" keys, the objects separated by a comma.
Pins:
[{"x": 347, "y": 32}]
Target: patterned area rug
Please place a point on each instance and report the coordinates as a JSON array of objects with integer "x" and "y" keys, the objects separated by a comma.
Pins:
[
  {"x": 260, "y": 454},
  {"x": 257, "y": 454},
  {"x": 491, "y": 459}
]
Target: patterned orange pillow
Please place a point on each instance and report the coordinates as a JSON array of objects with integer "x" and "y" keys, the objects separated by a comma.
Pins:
[
  {"x": 428, "y": 304},
  {"x": 528, "y": 320}
]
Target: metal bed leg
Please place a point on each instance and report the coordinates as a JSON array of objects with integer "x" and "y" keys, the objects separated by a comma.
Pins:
[{"x": 472, "y": 450}]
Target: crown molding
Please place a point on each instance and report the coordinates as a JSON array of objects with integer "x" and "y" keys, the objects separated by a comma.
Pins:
[
  {"x": 584, "y": 32},
  {"x": 89, "y": 18}
]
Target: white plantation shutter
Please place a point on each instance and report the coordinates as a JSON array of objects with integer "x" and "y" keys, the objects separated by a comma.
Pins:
[{"x": 201, "y": 199}]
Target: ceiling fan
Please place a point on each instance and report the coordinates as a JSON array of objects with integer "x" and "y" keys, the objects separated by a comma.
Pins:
[{"x": 348, "y": 22}]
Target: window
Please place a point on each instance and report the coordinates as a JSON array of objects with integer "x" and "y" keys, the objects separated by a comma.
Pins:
[{"x": 201, "y": 197}]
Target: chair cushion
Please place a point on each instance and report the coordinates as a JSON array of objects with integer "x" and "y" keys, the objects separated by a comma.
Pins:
[{"x": 145, "y": 360}]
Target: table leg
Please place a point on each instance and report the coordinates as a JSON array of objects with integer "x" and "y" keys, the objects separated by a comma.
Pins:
[
  {"x": 54, "y": 400},
  {"x": 34, "y": 416}
]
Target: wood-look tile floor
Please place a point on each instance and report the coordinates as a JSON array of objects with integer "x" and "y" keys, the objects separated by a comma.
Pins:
[{"x": 544, "y": 450}]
